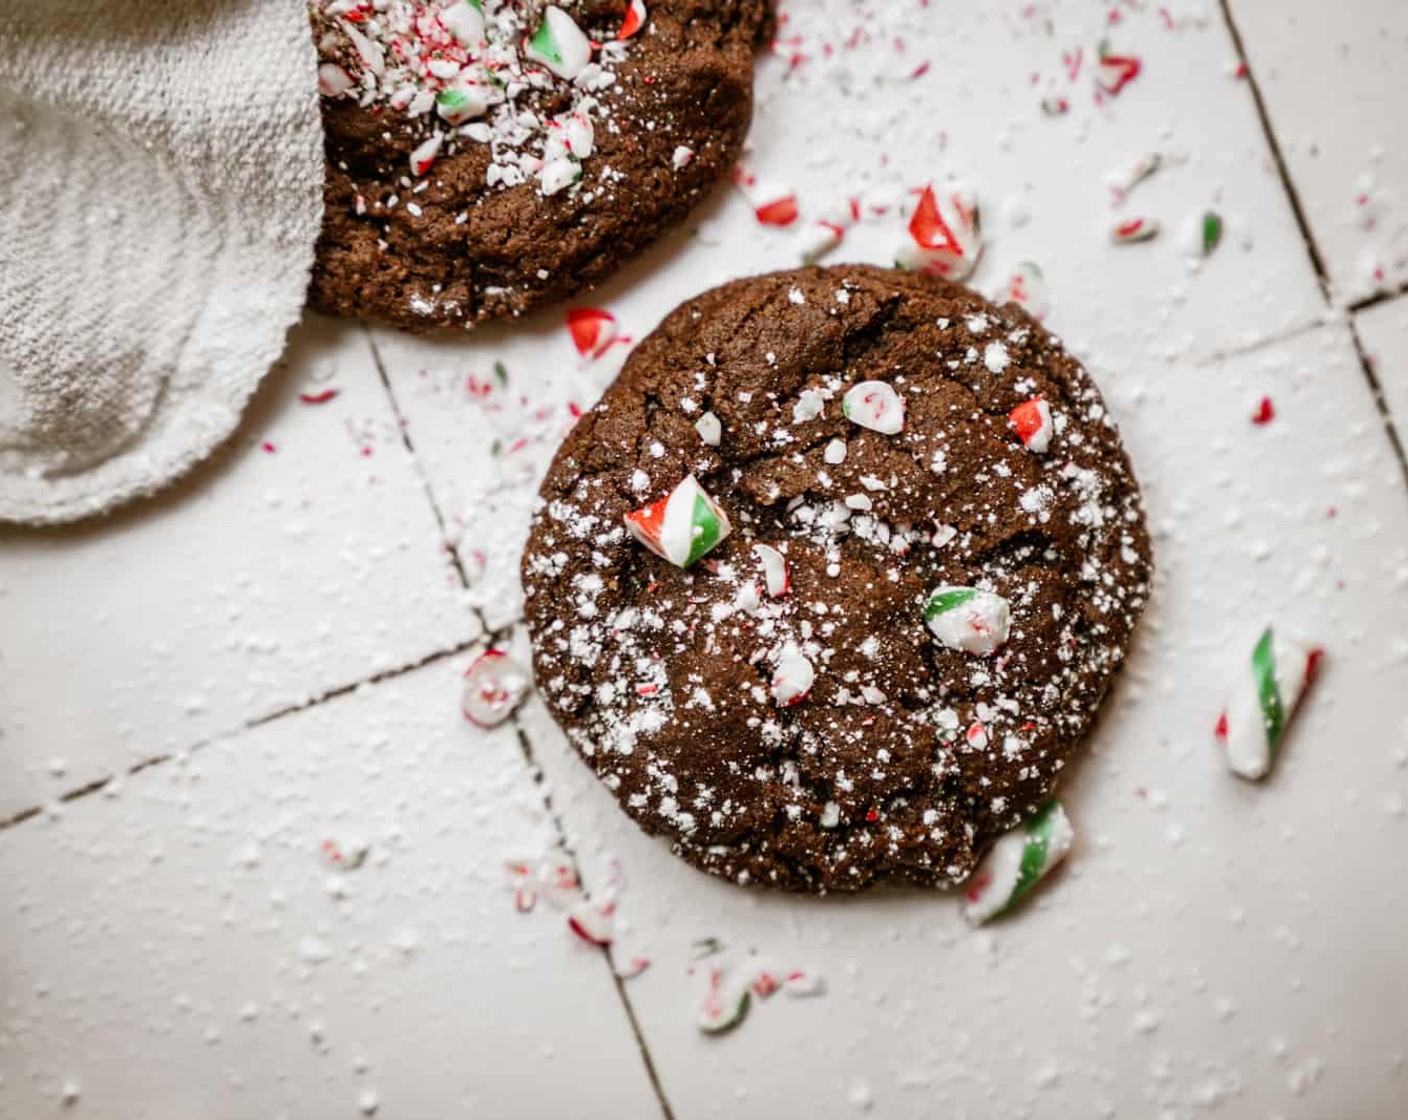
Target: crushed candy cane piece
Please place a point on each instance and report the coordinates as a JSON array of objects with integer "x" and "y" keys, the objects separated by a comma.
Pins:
[
  {"x": 464, "y": 19},
  {"x": 1122, "y": 182},
  {"x": 1017, "y": 862},
  {"x": 1115, "y": 71},
  {"x": 968, "y": 619},
  {"x": 457, "y": 104},
  {"x": 560, "y": 45},
  {"x": 333, "y": 80},
  {"x": 594, "y": 331},
  {"x": 594, "y": 923},
  {"x": 494, "y": 685},
  {"x": 1134, "y": 231},
  {"x": 630, "y": 969},
  {"x": 874, "y": 405},
  {"x": 945, "y": 235},
  {"x": 1210, "y": 233},
  {"x": 781, "y": 212},
  {"x": 1027, "y": 288},
  {"x": 1032, "y": 422},
  {"x": 1265, "y": 413},
  {"x": 793, "y": 677},
  {"x": 803, "y": 984},
  {"x": 634, "y": 21},
  {"x": 1253, "y": 726},
  {"x": 775, "y": 575},
  {"x": 725, "y": 1003},
  {"x": 423, "y": 158},
  {"x": 681, "y": 527},
  {"x": 344, "y": 853},
  {"x": 705, "y": 947},
  {"x": 710, "y": 429}
]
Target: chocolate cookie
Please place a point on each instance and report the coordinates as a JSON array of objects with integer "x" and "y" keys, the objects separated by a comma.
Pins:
[
  {"x": 830, "y": 584},
  {"x": 488, "y": 156}
]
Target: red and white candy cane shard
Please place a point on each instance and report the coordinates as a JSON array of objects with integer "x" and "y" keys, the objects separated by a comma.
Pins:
[
  {"x": 333, "y": 80},
  {"x": 1032, "y": 422},
  {"x": 710, "y": 429},
  {"x": 423, "y": 158},
  {"x": 558, "y": 883},
  {"x": 1127, "y": 178},
  {"x": 781, "y": 212},
  {"x": 725, "y": 1003},
  {"x": 1115, "y": 71},
  {"x": 560, "y": 45},
  {"x": 634, "y": 21},
  {"x": 765, "y": 983},
  {"x": 344, "y": 853},
  {"x": 494, "y": 685},
  {"x": 968, "y": 619},
  {"x": 874, "y": 405},
  {"x": 1134, "y": 231},
  {"x": 793, "y": 677},
  {"x": 456, "y": 104},
  {"x": 1017, "y": 862},
  {"x": 945, "y": 237},
  {"x": 1269, "y": 690},
  {"x": 681, "y": 527},
  {"x": 594, "y": 923},
  {"x": 593, "y": 331},
  {"x": 1027, "y": 287},
  {"x": 631, "y": 968},
  {"x": 803, "y": 983},
  {"x": 775, "y": 575}
]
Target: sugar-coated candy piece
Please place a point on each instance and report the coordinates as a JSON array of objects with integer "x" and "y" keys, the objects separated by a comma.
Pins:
[
  {"x": 793, "y": 677},
  {"x": 634, "y": 21},
  {"x": 775, "y": 574},
  {"x": 1017, "y": 862}
]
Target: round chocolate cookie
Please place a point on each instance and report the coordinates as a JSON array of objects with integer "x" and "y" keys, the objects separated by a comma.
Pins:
[
  {"x": 488, "y": 156},
  {"x": 829, "y": 585}
]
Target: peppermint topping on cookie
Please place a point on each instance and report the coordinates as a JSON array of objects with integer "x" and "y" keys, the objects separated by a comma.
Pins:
[
  {"x": 874, "y": 405},
  {"x": 968, "y": 619},
  {"x": 474, "y": 67}
]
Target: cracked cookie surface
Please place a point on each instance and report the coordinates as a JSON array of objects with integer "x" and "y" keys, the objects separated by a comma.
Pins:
[{"x": 906, "y": 757}]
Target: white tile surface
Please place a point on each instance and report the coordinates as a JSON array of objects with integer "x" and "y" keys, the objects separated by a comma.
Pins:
[
  {"x": 180, "y": 949},
  {"x": 829, "y": 131},
  {"x": 1384, "y": 331},
  {"x": 1337, "y": 92},
  {"x": 1208, "y": 938},
  {"x": 269, "y": 578}
]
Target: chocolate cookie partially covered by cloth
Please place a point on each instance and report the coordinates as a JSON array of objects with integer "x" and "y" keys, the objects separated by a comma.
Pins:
[
  {"x": 830, "y": 584},
  {"x": 488, "y": 156}
]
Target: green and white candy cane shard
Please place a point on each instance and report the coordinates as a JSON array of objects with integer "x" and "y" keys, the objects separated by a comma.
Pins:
[
  {"x": 968, "y": 619},
  {"x": 560, "y": 45},
  {"x": 1253, "y": 725},
  {"x": 725, "y": 1003},
  {"x": 1017, "y": 862},
  {"x": 460, "y": 103}
]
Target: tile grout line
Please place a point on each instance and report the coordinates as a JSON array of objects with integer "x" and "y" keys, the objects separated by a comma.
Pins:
[
  {"x": 493, "y": 638},
  {"x": 404, "y": 430},
  {"x": 647, "y": 1059},
  {"x": 1384, "y": 295},
  {"x": 97, "y": 784},
  {"x": 1312, "y": 248}
]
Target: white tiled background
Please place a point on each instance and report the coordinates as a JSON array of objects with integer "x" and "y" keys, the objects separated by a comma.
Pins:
[{"x": 198, "y": 692}]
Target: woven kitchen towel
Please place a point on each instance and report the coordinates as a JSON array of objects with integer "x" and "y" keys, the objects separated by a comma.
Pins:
[{"x": 161, "y": 175}]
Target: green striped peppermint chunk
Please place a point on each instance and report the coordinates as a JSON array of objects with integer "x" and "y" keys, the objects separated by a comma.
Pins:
[
  {"x": 1017, "y": 862},
  {"x": 682, "y": 526},
  {"x": 968, "y": 619},
  {"x": 560, "y": 45},
  {"x": 1253, "y": 725}
]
